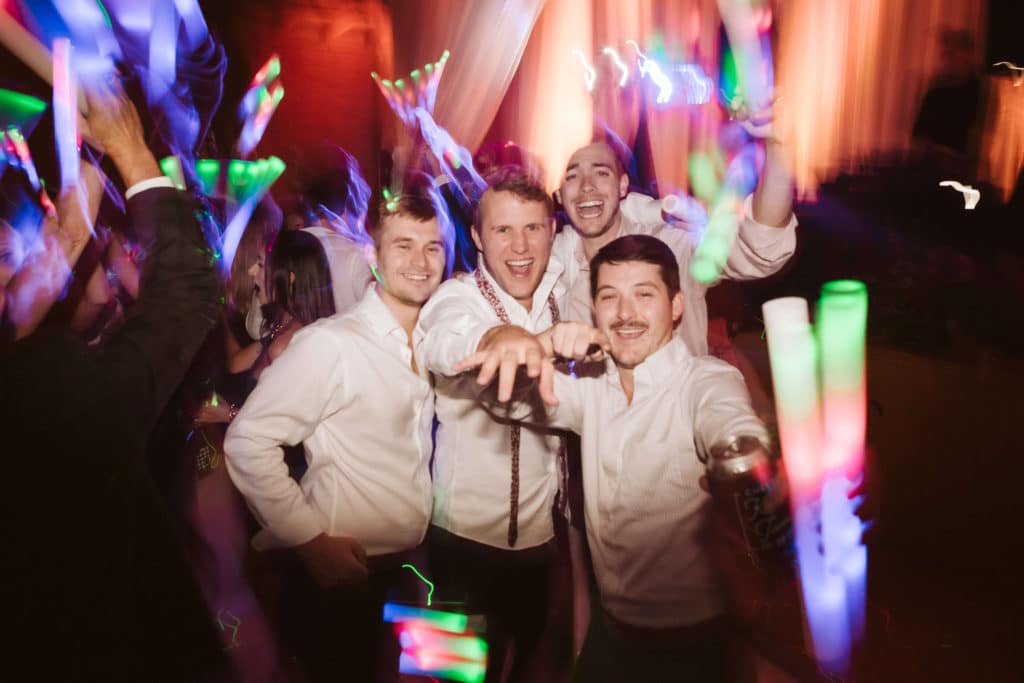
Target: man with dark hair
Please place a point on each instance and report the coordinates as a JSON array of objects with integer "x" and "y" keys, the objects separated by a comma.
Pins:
[
  {"x": 592, "y": 191},
  {"x": 351, "y": 389},
  {"x": 491, "y": 542},
  {"x": 642, "y": 424}
]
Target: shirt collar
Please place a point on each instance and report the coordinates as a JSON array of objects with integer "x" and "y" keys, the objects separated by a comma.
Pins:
[
  {"x": 661, "y": 366},
  {"x": 382, "y": 320}
]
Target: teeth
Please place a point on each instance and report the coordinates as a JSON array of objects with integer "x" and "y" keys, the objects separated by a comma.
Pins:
[
  {"x": 416, "y": 277},
  {"x": 519, "y": 264},
  {"x": 589, "y": 205},
  {"x": 630, "y": 331}
]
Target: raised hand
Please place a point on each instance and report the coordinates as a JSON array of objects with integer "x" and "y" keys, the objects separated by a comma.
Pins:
[
  {"x": 574, "y": 341},
  {"x": 502, "y": 351}
]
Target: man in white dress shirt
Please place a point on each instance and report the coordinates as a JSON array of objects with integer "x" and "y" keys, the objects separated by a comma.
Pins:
[
  {"x": 642, "y": 422},
  {"x": 351, "y": 390},
  {"x": 591, "y": 192},
  {"x": 491, "y": 540}
]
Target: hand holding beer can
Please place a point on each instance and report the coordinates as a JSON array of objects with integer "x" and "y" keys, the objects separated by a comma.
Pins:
[{"x": 740, "y": 474}]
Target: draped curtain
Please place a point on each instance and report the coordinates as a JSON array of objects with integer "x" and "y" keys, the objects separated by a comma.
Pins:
[
  {"x": 486, "y": 39},
  {"x": 851, "y": 75}
]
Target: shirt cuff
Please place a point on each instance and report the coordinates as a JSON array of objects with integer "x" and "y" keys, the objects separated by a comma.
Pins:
[
  {"x": 760, "y": 235},
  {"x": 151, "y": 184}
]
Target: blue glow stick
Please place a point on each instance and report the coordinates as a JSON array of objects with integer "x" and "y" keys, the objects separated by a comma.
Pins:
[
  {"x": 65, "y": 114},
  {"x": 163, "y": 51},
  {"x": 423, "y": 663}
]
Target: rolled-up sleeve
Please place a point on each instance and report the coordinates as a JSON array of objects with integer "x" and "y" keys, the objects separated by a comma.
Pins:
[{"x": 759, "y": 250}]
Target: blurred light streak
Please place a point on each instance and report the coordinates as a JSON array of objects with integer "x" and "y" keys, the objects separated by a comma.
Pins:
[
  {"x": 1013, "y": 67},
  {"x": 971, "y": 195},
  {"x": 589, "y": 73},
  {"x": 1002, "y": 144},
  {"x": 853, "y": 76},
  {"x": 619, "y": 64},
  {"x": 649, "y": 67}
]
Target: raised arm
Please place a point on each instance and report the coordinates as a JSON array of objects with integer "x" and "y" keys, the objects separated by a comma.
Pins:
[{"x": 179, "y": 293}]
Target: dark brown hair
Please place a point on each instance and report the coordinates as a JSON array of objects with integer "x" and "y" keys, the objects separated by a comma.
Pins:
[{"x": 638, "y": 248}]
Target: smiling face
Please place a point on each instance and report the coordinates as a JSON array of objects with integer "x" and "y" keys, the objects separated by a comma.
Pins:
[
  {"x": 410, "y": 259},
  {"x": 591, "y": 190},
  {"x": 514, "y": 236},
  {"x": 632, "y": 305}
]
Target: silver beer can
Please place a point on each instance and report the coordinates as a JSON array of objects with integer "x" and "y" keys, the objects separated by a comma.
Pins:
[{"x": 740, "y": 472}]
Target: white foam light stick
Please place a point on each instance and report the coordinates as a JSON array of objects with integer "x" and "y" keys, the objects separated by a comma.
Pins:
[{"x": 65, "y": 118}]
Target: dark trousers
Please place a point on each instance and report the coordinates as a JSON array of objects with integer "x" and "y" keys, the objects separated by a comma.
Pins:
[
  {"x": 338, "y": 634},
  {"x": 614, "y": 652},
  {"x": 508, "y": 587}
]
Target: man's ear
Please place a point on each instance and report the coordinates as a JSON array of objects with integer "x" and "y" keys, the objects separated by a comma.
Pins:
[
  {"x": 678, "y": 305},
  {"x": 475, "y": 234},
  {"x": 558, "y": 197},
  {"x": 623, "y": 185}
]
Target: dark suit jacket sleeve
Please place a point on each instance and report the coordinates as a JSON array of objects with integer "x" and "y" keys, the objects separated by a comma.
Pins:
[{"x": 144, "y": 361}]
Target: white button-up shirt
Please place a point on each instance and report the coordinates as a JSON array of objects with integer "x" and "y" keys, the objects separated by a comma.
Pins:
[
  {"x": 350, "y": 272},
  {"x": 759, "y": 250},
  {"x": 346, "y": 390},
  {"x": 643, "y": 504},
  {"x": 472, "y": 459}
]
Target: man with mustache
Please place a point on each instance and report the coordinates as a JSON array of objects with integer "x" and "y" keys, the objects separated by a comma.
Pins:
[
  {"x": 642, "y": 423},
  {"x": 594, "y": 185},
  {"x": 491, "y": 539}
]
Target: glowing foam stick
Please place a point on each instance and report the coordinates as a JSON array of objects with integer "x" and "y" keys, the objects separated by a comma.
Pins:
[
  {"x": 685, "y": 208},
  {"x": 18, "y": 153},
  {"x": 649, "y": 67},
  {"x": 444, "y": 621},
  {"x": 712, "y": 253},
  {"x": 751, "y": 54},
  {"x": 422, "y": 90},
  {"x": 469, "y": 647},
  {"x": 841, "y": 325},
  {"x": 171, "y": 166},
  {"x": 793, "y": 355},
  {"x": 30, "y": 51},
  {"x": 619, "y": 64},
  {"x": 428, "y": 663},
  {"x": 192, "y": 17},
  {"x": 1013, "y": 67},
  {"x": 971, "y": 195},
  {"x": 163, "y": 51},
  {"x": 18, "y": 109},
  {"x": 65, "y": 117}
]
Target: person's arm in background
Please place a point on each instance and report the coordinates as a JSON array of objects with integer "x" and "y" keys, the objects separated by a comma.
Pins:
[
  {"x": 179, "y": 293},
  {"x": 43, "y": 278},
  {"x": 766, "y": 237}
]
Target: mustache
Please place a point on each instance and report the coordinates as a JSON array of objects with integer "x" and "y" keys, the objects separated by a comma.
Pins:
[{"x": 629, "y": 323}]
